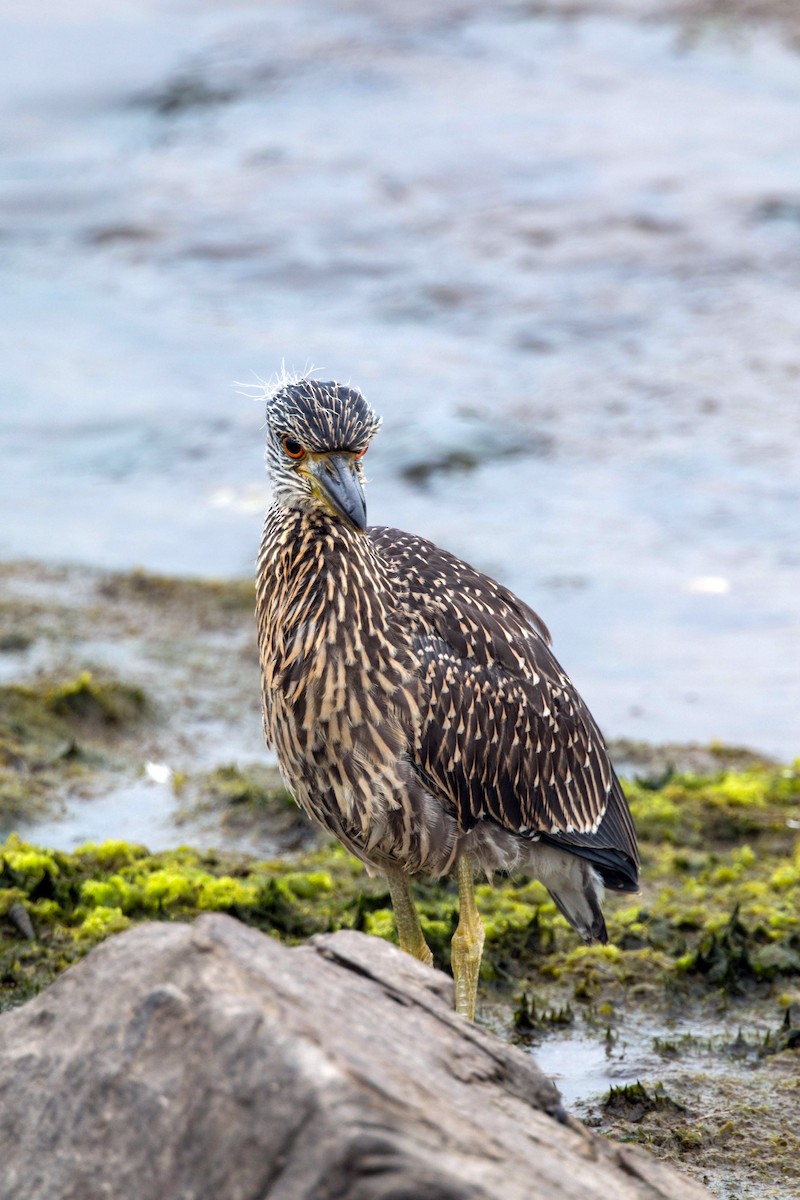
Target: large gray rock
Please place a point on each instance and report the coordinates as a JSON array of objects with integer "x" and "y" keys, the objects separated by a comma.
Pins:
[{"x": 208, "y": 1061}]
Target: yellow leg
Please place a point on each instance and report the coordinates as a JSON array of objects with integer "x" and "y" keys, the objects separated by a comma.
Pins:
[
  {"x": 467, "y": 944},
  {"x": 409, "y": 930}
]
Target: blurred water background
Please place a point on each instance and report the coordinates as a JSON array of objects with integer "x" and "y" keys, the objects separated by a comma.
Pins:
[{"x": 557, "y": 246}]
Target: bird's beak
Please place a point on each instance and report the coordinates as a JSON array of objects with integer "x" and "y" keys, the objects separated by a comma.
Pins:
[{"x": 335, "y": 476}]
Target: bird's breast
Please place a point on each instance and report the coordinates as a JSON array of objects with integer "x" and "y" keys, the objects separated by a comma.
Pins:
[
  {"x": 341, "y": 706},
  {"x": 331, "y": 662}
]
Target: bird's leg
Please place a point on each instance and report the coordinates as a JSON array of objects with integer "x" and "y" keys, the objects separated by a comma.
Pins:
[
  {"x": 409, "y": 930},
  {"x": 467, "y": 944}
]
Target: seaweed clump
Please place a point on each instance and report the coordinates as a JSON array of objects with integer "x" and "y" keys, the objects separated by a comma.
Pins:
[
  {"x": 54, "y": 733},
  {"x": 633, "y": 1101}
]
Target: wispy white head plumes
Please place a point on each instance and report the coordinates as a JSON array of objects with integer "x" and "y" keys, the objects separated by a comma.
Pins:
[{"x": 264, "y": 389}]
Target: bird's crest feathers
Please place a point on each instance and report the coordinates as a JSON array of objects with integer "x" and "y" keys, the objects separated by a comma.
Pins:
[{"x": 320, "y": 415}]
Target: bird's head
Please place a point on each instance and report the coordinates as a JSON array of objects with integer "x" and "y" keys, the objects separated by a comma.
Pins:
[{"x": 317, "y": 435}]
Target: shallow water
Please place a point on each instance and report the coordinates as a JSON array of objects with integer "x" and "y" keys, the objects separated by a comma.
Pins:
[
  {"x": 137, "y": 812},
  {"x": 714, "y": 1083},
  {"x": 575, "y": 240},
  {"x": 143, "y": 811},
  {"x": 585, "y": 1067}
]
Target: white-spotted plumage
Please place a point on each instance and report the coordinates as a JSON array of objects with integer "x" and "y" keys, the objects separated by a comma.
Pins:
[{"x": 415, "y": 706}]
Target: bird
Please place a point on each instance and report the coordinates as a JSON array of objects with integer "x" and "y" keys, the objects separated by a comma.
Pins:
[{"x": 414, "y": 704}]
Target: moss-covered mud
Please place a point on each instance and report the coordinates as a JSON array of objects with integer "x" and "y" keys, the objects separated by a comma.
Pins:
[
  {"x": 168, "y": 637},
  {"x": 691, "y": 1012},
  {"x": 723, "y": 1104},
  {"x": 59, "y": 737},
  {"x": 239, "y": 804}
]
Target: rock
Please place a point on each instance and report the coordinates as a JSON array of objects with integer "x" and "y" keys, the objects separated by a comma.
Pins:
[
  {"x": 20, "y": 918},
  {"x": 210, "y": 1061}
]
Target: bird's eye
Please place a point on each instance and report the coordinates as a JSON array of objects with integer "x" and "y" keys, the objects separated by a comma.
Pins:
[
  {"x": 293, "y": 448},
  {"x": 360, "y": 453}
]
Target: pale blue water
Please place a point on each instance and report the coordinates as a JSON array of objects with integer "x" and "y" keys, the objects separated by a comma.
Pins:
[{"x": 581, "y": 238}]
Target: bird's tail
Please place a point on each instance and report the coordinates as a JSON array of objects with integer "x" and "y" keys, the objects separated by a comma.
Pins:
[
  {"x": 578, "y": 896},
  {"x": 574, "y": 884}
]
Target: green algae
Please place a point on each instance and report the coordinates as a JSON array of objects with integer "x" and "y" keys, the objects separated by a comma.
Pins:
[
  {"x": 39, "y": 717},
  {"x": 75, "y": 900},
  {"x": 693, "y": 811},
  {"x": 719, "y": 916},
  {"x": 109, "y": 702},
  {"x": 257, "y": 786},
  {"x": 713, "y": 939},
  {"x": 244, "y": 800}
]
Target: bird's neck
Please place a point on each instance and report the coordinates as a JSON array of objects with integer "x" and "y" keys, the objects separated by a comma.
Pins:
[
  {"x": 296, "y": 537},
  {"x": 312, "y": 571}
]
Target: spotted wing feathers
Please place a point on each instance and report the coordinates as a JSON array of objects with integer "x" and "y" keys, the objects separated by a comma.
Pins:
[{"x": 504, "y": 735}]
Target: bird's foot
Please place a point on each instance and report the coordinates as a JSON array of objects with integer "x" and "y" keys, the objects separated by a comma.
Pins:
[{"x": 466, "y": 952}]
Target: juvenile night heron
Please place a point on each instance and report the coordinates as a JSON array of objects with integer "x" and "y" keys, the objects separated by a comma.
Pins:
[{"x": 414, "y": 704}]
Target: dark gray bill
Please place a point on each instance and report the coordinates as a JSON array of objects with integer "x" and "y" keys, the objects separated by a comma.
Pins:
[{"x": 336, "y": 476}]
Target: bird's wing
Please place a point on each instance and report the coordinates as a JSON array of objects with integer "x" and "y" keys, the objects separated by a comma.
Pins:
[{"x": 504, "y": 734}]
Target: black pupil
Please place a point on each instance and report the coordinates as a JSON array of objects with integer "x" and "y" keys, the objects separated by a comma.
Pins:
[{"x": 293, "y": 448}]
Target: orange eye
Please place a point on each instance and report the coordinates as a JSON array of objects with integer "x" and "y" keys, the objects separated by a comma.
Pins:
[
  {"x": 360, "y": 453},
  {"x": 293, "y": 448}
]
